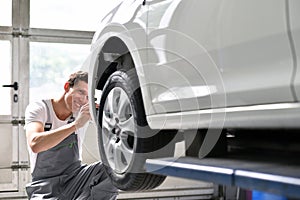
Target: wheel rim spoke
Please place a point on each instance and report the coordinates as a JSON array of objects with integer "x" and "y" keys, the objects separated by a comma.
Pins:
[
  {"x": 109, "y": 150},
  {"x": 109, "y": 102},
  {"x": 122, "y": 104},
  {"x": 107, "y": 122},
  {"x": 115, "y": 100},
  {"x": 106, "y": 137},
  {"x": 128, "y": 125},
  {"x": 127, "y": 153},
  {"x": 120, "y": 164}
]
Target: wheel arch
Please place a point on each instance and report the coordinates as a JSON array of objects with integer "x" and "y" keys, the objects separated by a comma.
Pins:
[
  {"x": 119, "y": 49},
  {"x": 114, "y": 51}
]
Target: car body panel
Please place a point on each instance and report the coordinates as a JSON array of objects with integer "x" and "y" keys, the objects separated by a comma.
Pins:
[
  {"x": 294, "y": 7},
  {"x": 220, "y": 54},
  {"x": 174, "y": 56},
  {"x": 267, "y": 116},
  {"x": 211, "y": 68},
  {"x": 126, "y": 22}
]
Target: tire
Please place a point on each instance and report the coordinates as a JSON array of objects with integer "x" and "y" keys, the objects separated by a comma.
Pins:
[{"x": 124, "y": 137}]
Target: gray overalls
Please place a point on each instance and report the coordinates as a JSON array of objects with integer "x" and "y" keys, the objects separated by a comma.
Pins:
[{"x": 59, "y": 174}]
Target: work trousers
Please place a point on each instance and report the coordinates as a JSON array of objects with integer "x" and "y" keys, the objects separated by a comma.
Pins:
[{"x": 88, "y": 182}]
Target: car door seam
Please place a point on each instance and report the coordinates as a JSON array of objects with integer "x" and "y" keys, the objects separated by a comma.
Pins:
[{"x": 293, "y": 50}]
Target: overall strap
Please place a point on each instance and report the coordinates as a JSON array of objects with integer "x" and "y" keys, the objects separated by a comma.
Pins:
[{"x": 48, "y": 124}]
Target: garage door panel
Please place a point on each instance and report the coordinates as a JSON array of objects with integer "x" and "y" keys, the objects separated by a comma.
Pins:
[
  {"x": 8, "y": 180},
  {"x": 9, "y": 133}
]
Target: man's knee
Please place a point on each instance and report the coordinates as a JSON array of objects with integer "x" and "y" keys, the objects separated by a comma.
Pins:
[{"x": 104, "y": 190}]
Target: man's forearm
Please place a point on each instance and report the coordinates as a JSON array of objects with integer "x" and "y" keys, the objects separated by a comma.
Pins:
[{"x": 42, "y": 141}]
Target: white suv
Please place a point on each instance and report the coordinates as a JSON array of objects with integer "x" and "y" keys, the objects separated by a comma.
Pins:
[{"x": 169, "y": 66}]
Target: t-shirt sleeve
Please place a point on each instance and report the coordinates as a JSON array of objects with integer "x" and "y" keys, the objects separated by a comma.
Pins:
[{"x": 35, "y": 112}]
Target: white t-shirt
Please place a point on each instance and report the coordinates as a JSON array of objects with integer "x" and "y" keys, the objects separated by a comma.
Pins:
[{"x": 37, "y": 112}]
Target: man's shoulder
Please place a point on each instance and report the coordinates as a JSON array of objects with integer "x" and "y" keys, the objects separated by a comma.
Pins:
[
  {"x": 35, "y": 112},
  {"x": 39, "y": 103},
  {"x": 37, "y": 107}
]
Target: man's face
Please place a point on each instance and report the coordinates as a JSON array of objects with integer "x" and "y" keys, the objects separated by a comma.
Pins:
[{"x": 78, "y": 96}]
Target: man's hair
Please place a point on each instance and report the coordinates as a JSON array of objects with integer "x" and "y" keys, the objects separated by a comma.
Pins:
[{"x": 76, "y": 77}]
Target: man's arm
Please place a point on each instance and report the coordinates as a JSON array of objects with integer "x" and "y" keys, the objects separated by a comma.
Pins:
[{"x": 40, "y": 140}]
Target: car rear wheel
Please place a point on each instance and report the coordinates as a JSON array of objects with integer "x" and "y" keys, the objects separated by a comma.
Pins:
[{"x": 125, "y": 140}]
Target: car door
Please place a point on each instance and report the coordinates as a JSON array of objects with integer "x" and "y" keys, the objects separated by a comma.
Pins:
[{"x": 216, "y": 53}]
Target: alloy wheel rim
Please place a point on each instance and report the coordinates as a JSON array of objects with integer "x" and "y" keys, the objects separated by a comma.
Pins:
[{"x": 118, "y": 128}]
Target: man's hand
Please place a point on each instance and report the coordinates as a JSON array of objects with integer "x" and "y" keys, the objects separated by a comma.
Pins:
[{"x": 83, "y": 116}]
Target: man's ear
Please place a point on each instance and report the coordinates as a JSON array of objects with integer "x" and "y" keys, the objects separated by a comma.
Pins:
[{"x": 67, "y": 86}]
